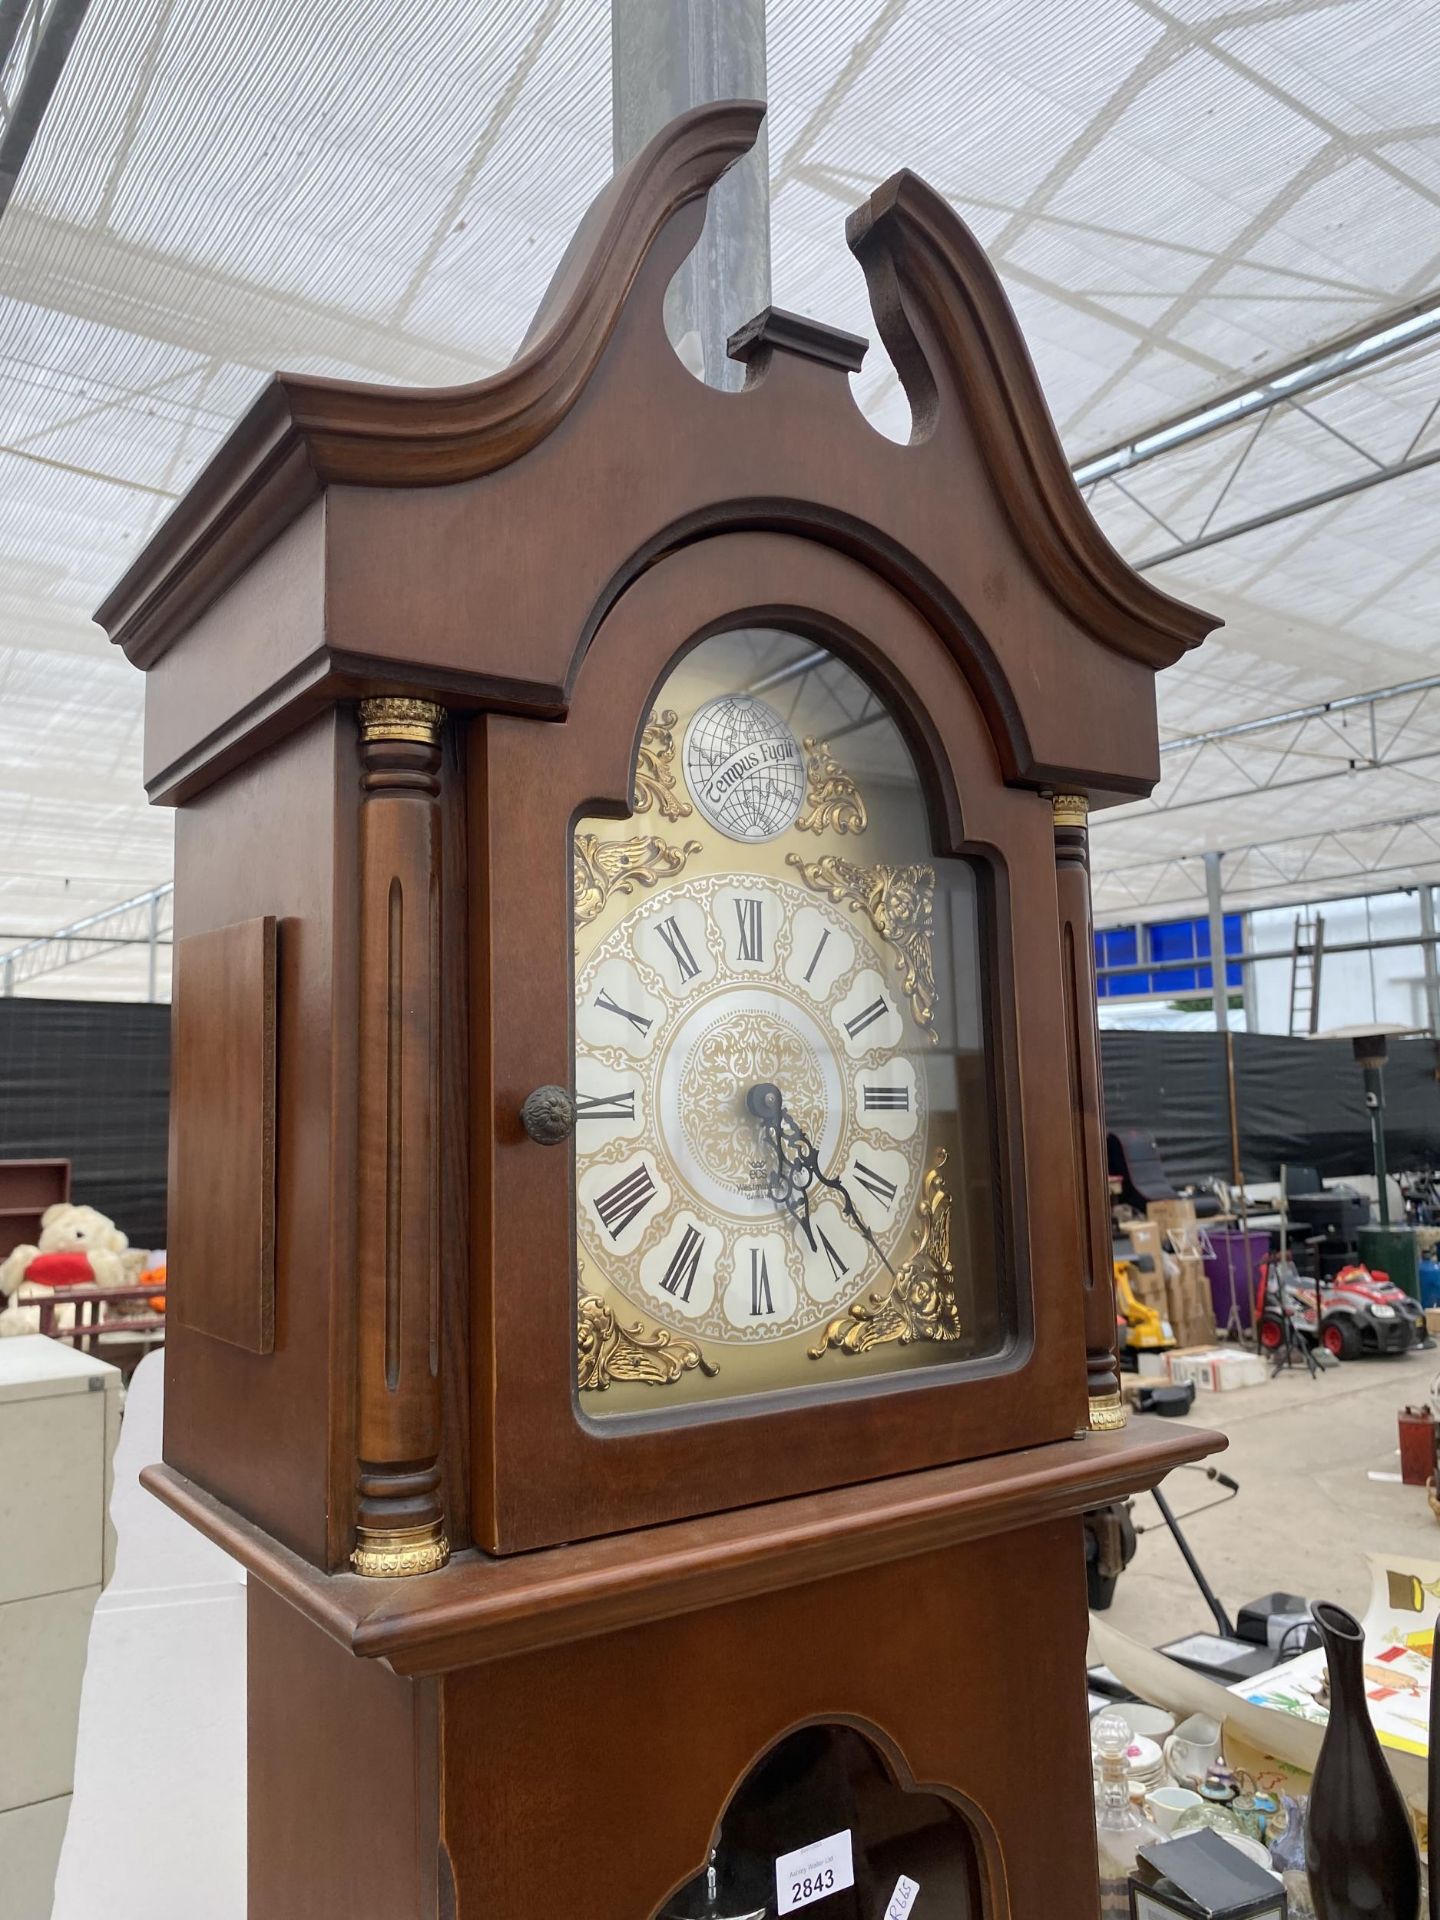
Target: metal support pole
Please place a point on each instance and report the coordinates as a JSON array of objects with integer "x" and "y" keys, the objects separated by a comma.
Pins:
[
  {"x": 1432, "y": 972},
  {"x": 1219, "y": 986},
  {"x": 154, "y": 956},
  {"x": 667, "y": 56}
]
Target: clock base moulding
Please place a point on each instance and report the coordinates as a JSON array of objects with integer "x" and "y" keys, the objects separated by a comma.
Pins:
[{"x": 462, "y": 1755}]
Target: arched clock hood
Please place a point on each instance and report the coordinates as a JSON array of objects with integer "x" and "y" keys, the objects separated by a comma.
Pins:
[{"x": 599, "y": 434}]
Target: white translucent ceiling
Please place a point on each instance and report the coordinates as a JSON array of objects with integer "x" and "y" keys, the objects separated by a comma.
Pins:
[{"x": 1178, "y": 196}]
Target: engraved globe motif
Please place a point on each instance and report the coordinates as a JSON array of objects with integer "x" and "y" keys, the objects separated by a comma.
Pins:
[{"x": 744, "y": 767}]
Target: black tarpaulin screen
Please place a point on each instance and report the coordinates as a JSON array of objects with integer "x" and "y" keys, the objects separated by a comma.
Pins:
[
  {"x": 1300, "y": 1102},
  {"x": 89, "y": 1081}
]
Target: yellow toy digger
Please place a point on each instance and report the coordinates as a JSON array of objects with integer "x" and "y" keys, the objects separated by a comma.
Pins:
[{"x": 1146, "y": 1328}]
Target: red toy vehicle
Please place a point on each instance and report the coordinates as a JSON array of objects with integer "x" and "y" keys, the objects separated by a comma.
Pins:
[{"x": 1362, "y": 1311}]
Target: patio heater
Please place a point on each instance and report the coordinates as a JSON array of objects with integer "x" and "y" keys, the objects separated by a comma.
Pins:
[{"x": 1390, "y": 1248}]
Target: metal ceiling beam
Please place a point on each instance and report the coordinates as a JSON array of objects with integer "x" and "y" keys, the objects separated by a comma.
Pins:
[
  {"x": 50, "y": 49},
  {"x": 146, "y": 918},
  {"x": 12, "y": 14},
  {"x": 1338, "y": 359},
  {"x": 1155, "y": 889},
  {"x": 1203, "y": 770},
  {"x": 1316, "y": 710},
  {"x": 1325, "y": 367},
  {"x": 1327, "y": 496}
]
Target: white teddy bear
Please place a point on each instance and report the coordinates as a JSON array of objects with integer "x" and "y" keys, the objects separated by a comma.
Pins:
[{"x": 78, "y": 1247}]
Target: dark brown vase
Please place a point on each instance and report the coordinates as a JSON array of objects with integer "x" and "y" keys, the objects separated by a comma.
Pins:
[{"x": 1360, "y": 1849}]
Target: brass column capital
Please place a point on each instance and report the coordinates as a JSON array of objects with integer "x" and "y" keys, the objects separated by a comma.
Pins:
[
  {"x": 1070, "y": 809},
  {"x": 399, "y": 717}
]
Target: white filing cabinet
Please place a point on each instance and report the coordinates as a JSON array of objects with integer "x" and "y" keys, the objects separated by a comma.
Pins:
[{"x": 59, "y": 1418}]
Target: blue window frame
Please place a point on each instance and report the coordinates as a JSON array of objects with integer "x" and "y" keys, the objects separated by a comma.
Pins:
[{"x": 1167, "y": 957}]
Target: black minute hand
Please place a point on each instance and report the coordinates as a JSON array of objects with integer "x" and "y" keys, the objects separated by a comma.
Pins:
[{"x": 797, "y": 1170}]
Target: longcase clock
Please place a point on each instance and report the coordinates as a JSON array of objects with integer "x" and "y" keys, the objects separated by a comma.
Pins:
[{"x": 641, "y": 1299}]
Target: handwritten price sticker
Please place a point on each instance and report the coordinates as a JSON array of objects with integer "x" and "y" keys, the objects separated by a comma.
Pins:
[
  {"x": 814, "y": 1872},
  {"x": 903, "y": 1898}
]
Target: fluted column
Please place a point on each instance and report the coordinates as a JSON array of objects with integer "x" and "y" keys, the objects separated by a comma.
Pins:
[
  {"x": 400, "y": 1521},
  {"x": 1087, "y": 1106}
]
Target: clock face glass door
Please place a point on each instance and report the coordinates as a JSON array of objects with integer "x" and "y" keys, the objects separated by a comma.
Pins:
[{"x": 785, "y": 1140}]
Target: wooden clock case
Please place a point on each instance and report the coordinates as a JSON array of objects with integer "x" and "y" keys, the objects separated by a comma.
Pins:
[{"x": 397, "y": 641}]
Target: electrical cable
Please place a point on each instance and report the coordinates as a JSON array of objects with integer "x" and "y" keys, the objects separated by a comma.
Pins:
[{"x": 1232, "y": 1487}]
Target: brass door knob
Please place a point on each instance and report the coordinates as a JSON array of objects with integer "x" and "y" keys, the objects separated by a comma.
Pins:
[{"x": 548, "y": 1115}]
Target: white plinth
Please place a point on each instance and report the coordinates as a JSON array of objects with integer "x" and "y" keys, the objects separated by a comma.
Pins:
[
  {"x": 157, "y": 1824},
  {"x": 59, "y": 1414}
]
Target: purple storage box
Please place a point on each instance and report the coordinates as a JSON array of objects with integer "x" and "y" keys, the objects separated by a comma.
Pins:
[{"x": 1234, "y": 1252}]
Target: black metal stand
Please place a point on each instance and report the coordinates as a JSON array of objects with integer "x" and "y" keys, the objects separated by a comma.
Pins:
[
  {"x": 1292, "y": 1344},
  {"x": 1223, "y": 1624}
]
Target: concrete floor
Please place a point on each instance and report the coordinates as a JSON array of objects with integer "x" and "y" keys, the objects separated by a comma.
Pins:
[{"x": 1307, "y": 1513}]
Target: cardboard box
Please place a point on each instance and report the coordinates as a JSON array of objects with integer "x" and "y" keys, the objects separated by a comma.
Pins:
[
  {"x": 1191, "y": 1312},
  {"x": 1217, "y": 1369},
  {"x": 1432, "y": 1320},
  {"x": 1172, "y": 1216},
  {"x": 1150, "y": 1289},
  {"x": 1145, "y": 1238}
]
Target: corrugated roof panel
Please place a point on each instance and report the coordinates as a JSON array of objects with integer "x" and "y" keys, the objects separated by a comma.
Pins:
[{"x": 1176, "y": 195}]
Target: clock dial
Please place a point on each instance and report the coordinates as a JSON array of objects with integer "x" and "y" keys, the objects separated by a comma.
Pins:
[
  {"x": 780, "y": 1087},
  {"x": 721, "y": 1258}
]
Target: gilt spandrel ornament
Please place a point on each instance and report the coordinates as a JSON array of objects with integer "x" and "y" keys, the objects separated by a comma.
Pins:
[
  {"x": 832, "y": 800},
  {"x": 920, "y": 1303},
  {"x": 900, "y": 902},
  {"x": 611, "y": 1352},
  {"x": 655, "y": 769},
  {"x": 603, "y": 867}
]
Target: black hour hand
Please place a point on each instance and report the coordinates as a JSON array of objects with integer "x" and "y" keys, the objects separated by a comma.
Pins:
[{"x": 788, "y": 1181}]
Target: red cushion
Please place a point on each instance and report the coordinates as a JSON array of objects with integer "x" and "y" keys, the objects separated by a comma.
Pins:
[{"x": 60, "y": 1270}]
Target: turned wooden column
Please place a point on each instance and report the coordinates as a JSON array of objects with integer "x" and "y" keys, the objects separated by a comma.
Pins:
[
  {"x": 400, "y": 1520},
  {"x": 1087, "y": 1106}
]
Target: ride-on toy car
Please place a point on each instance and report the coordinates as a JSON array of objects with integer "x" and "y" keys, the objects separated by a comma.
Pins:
[{"x": 1362, "y": 1311}]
